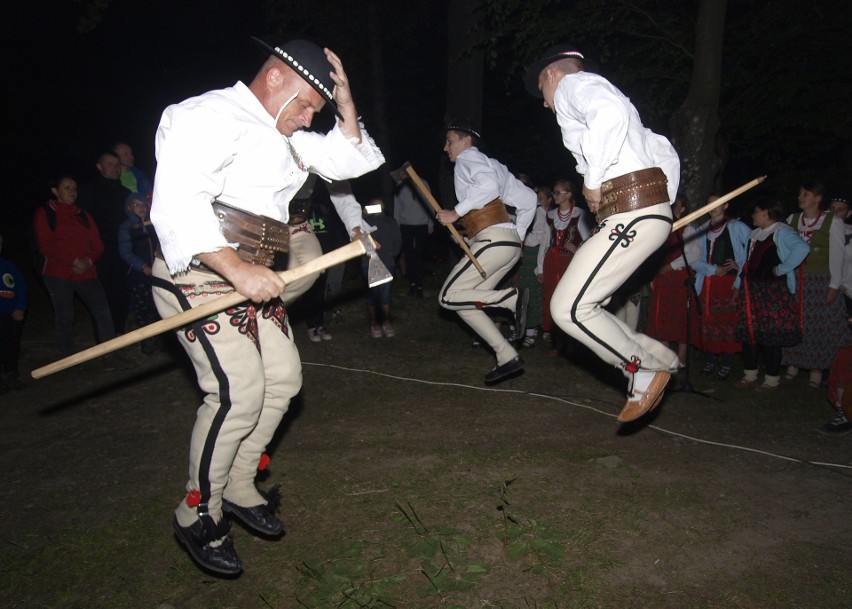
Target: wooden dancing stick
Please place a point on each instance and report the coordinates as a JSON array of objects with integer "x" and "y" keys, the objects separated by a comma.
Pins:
[
  {"x": 342, "y": 254},
  {"x": 720, "y": 201}
]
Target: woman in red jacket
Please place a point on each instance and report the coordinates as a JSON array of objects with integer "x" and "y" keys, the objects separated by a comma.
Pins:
[{"x": 68, "y": 239}]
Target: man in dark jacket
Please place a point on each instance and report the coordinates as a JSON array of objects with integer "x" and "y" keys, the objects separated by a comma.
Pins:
[{"x": 104, "y": 198}]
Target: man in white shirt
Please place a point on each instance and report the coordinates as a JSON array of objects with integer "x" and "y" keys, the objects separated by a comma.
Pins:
[
  {"x": 482, "y": 187},
  {"x": 244, "y": 149},
  {"x": 630, "y": 175}
]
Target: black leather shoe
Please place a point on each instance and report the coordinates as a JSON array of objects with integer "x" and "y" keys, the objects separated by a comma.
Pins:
[
  {"x": 511, "y": 368},
  {"x": 521, "y": 313},
  {"x": 198, "y": 540},
  {"x": 259, "y": 518}
]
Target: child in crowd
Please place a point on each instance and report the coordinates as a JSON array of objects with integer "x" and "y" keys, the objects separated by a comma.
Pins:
[
  {"x": 13, "y": 306},
  {"x": 137, "y": 242},
  {"x": 388, "y": 235}
]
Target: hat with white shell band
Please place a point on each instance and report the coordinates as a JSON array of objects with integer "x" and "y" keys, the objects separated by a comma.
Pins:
[{"x": 308, "y": 60}]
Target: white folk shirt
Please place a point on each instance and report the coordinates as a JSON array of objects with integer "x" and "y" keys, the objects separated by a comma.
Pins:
[
  {"x": 348, "y": 207},
  {"x": 479, "y": 180},
  {"x": 846, "y": 273},
  {"x": 603, "y": 131},
  {"x": 223, "y": 145}
]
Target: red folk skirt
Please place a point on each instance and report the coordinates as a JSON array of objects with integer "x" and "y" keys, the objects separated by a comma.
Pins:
[
  {"x": 840, "y": 375},
  {"x": 717, "y": 323},
  {"x": 667, "y": 318},
  {"x": 556, "y": 260}
]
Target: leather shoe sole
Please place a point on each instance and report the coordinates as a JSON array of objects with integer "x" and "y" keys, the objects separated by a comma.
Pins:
[
  {"x": 649, "y": 400},
  {"x": 220, "y": 559},
  {"x": 511, "y": 368},
  {"x": 258, "y": 518}
]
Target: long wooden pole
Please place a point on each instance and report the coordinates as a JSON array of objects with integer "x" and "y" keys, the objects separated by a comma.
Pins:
[
  {"x": 720, "y": 201},
  {"x": 352, "y": 250},
  {"x": 428, "y": 195}
]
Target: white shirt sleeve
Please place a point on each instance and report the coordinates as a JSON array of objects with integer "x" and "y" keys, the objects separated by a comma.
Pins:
[
  {"x": 476, "y": 182},
  {"x": 189, "y": 178},
  {"x": 335, "y": 156},
  {"x": 526, "y": 213},
  {"x": 348, "y": 207},
  {"x": 605, "y": 120}
]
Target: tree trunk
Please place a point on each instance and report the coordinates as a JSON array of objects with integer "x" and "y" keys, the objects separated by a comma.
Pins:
[
  {"x": 695, "y": 124},
  {"x": 382, "y": 135},
  {"x": 464, "y": 80}
]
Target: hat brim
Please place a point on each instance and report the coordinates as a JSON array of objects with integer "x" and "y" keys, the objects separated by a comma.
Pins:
[
  {"x": 532, "y": 73},
  {"x": 271, "y": 50}
]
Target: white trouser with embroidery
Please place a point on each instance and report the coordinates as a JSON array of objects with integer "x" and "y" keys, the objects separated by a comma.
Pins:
[
  {"x": 601, "y": 265},
  {"x": 465, "y": 290},
  {"x": 249, "y": 369}
]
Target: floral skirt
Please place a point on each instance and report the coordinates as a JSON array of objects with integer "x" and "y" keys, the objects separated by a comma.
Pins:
[
  {"x": 824, "y": 329},
  {"x": 770, "y": 315}
]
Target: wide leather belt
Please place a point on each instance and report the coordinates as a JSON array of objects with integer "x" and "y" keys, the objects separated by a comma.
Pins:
[
  {"x": 634, "y": 190},
  {"x": 478, "y": 219},
  {"x": 259, "y": 237}
]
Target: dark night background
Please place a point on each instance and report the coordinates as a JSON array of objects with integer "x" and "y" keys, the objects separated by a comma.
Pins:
[
  {"x": 74, "y": 94},
  {"x": 74, "y": 90}
]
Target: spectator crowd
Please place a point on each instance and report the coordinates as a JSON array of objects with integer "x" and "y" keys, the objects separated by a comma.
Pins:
[{"x": 771, "y": 287}]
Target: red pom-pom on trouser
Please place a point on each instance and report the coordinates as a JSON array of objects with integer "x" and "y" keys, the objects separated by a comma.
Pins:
[
  {"x": 264, "y": 462},
  {"x": 193, "y": 498}
]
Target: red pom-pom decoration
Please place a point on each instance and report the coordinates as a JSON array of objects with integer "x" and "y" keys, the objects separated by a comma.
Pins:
[
  {"x": 264, "y": 462},
  {"x": 633, "y": 366},
  {"x": 193, "y": 498}
]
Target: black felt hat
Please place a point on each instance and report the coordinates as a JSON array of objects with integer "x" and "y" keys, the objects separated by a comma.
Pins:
[
  {"x": 465, "y": 126},
  {"x": 553, "y": 53},
  {"x": 308, "y": 61}
]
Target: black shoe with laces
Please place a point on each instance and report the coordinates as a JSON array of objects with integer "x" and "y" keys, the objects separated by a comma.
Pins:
[
  {"x": 259, "y": 518},
  {"x": 210, "y": 545}
]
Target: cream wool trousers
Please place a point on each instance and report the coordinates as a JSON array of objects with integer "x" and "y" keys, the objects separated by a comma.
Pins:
[
  {"x": 465, "y": 291},
  {"x": 602, "y": 264},
  {"x": 249, "y": 369}
]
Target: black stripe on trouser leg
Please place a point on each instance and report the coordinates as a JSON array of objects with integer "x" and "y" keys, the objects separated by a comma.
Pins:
[
  {"x": 591, "y": 278},
  {"x": 467, "y": 266},
  {"x": 224, "y": 393}
]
